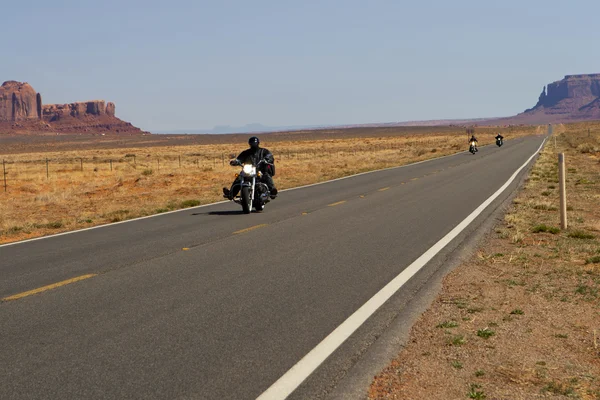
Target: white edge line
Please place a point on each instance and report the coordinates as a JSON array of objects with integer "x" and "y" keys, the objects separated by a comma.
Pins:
[
  {"x": 285, "y": 385},
  {"x": 212, "y": 204},
  {"x": 220, "y": 202},
  {"x": 110, "y": 224}
]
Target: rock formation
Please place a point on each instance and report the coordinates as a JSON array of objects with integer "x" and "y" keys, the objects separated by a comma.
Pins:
[
  {"x": 22, "y": 111},
  {"x": 55, "y": 112},
  {"x": 569, "y": 95},
  {"x": 19, "y": 102},
  {"x": 574, "y": 98}
]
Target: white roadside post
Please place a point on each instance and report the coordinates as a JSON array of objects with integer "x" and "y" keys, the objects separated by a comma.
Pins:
[{"x": 563, "y": 191}]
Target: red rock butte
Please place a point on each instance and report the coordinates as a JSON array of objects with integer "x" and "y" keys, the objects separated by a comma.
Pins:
[
  {"x": 22, "y": 111},
  {"x": 574, "y": 98}
]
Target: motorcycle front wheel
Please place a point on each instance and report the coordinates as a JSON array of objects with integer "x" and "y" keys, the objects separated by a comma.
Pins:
[
  {"x": 259, "y": 206},
  {"x": 246, "y": 200}
]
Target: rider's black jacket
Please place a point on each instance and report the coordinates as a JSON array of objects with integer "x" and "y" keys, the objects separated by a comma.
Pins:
[
  {"x": 500, "y": 137},
  {"x": 473, "y": 138},
  {"x": 254, "y": 156}
]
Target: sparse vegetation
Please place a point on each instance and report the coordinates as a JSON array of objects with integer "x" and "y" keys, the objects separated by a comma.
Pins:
[
  {"x": 544, "y": 228},
  {"x": 458, "y": 340},
  {"x": 593, "y": 260},
  {"x": 475, "y": 393},
  {"x": 448, "y": 324},
  {"x": 189, "y": 203},
  {"x": 457, "y": 364},
  {"x": 485, "y": 333},
  {"x": 580, "y": 235}
]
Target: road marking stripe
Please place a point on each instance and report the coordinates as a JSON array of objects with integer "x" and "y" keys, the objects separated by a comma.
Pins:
[
  {"x": 185, "y": 249},
  {"x": 249, "y": 229},
  {"x": 383, "y": 189},
  {"x": 337, "y": 203},
  {"x": 48, "y": 287},
  {"x": 285, "y": 385}
]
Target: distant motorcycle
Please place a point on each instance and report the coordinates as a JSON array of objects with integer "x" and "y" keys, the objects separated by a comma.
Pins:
[
  {"x": 499, "y": 142},
  {"x": 253, "y": 192},
  {"x": 473, "y": 147}
]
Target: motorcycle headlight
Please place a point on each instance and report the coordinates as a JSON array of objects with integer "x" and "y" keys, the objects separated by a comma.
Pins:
[{"x": 249, "y": 169}]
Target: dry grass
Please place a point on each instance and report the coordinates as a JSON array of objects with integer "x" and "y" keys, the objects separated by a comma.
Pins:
[
  {"x": 535, "y": 286},
  {"x": 82, "y": 188}
]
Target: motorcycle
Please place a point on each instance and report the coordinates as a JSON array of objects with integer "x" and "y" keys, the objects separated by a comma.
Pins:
[
  {"x": 473, "y": 147},
  {"x": 253, "y": 192},
  {"x": 499, "y": 142}
]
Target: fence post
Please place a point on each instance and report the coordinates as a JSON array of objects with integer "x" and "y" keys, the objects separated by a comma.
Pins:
[
  {"x": 180, "y": 161},
  {"x": 4, "y": 171},
  {"x": 47, "y": 170},
  {"x": 110, "y": 164},
  {"x": 223, "y": 158},
  {"x": 81, "y": 161},
  {"x": 563, "y": 191},
  {"x": 158, "y": 164},
  {"x": 134, "y": 161}
]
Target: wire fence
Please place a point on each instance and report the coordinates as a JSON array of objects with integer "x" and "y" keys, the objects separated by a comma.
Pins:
[{"x": 46, "y": 169}]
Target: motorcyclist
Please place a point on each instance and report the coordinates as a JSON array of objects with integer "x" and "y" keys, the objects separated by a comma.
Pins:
[
  {"x": 473, "y": 139},
  {"x": 253, "y": 155},
  {"x": 499, "y": 136}
]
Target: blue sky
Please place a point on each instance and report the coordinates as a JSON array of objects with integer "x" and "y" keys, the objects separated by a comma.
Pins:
[{"x": 196, "y": 64}]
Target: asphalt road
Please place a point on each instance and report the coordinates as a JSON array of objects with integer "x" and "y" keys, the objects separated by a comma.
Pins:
[{"x": 209, "y": 303}]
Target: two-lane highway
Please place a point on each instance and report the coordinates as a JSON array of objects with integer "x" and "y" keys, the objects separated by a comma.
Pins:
[{"x": 209, "y": 303}]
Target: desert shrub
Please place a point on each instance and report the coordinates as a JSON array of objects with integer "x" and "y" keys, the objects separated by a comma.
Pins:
[
  {"x": 581, "y": 235},
  {"x": 189, "y": 203},
  {"x": 544, "y": 228},
  {"x": 586, "y": 148}
]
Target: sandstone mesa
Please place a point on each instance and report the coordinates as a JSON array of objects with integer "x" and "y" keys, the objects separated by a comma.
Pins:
[
  {"x": 571, "y": 99},
  {"x": 22, "y": 111}
]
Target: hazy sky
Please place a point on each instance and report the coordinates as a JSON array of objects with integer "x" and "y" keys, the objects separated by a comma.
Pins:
[{"x": 195, "y": 64}]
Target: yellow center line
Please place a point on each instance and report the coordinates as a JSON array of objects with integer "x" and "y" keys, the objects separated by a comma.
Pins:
[
  {"x": 250, "y": 229},
  {"x": 304, "y": 213},
  {"x": 185, "y": 249},
  {"x": 414, "y": 179},
  {"x": 383, "y": 189},
  {"x": 49, "y": 287},
  {"x": 336, "y": 204}
]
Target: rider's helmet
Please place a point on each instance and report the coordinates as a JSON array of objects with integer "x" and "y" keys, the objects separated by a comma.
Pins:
[{"x": 253, "y": 142}]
